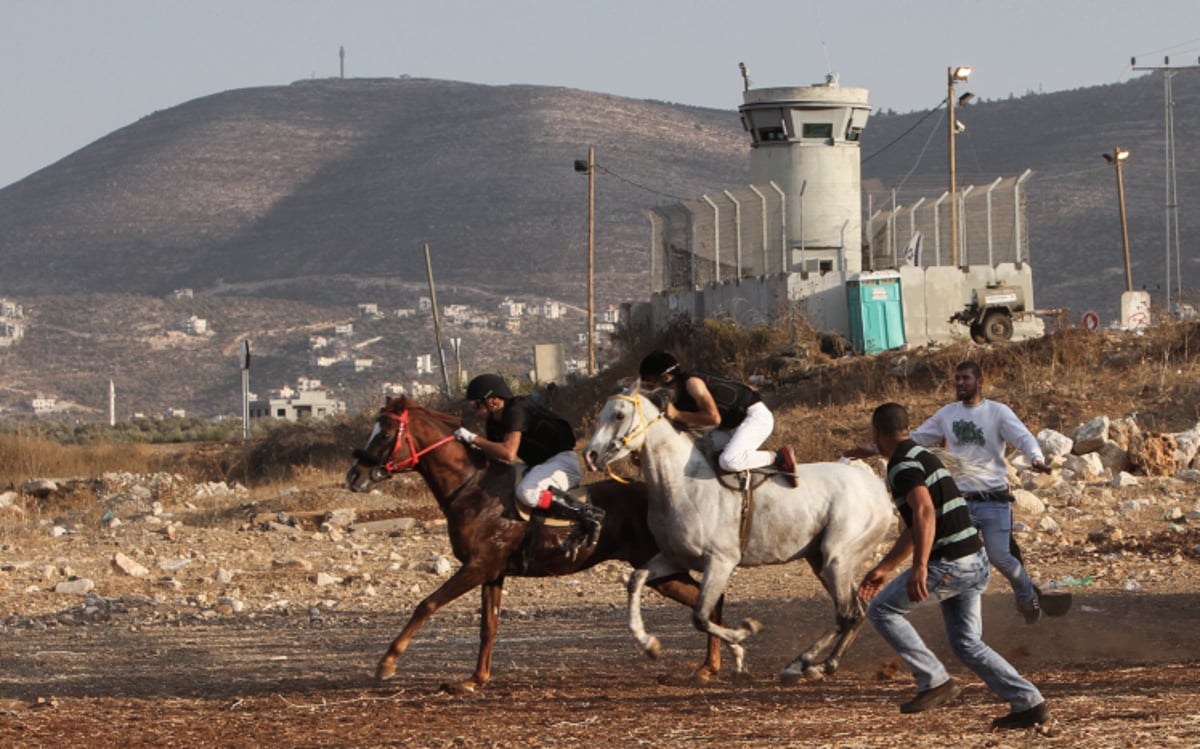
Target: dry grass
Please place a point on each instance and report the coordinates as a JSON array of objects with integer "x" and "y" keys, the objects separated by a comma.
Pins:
[
  {"x": 24, "y": 458},
  {"x": 822, "y": 405}
]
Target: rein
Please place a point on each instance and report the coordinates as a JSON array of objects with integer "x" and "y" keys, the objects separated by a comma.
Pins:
[
  {"x": 643, "y": 426},
  {"x": 404, "y": 436}
]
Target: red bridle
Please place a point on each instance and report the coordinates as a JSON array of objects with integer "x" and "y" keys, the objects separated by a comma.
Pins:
[{"x": 404, "y": 434}]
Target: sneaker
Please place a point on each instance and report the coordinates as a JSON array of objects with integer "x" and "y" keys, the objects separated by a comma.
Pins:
[
  {"x": 1030, "y": 609},
  {"x": 1035, "y": 715},
  {"x": 786, "y": 465},
  {"x": 934, "y": 697}
]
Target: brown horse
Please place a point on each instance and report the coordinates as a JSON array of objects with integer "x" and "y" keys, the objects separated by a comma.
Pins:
[{"x": 489, "y": 539}]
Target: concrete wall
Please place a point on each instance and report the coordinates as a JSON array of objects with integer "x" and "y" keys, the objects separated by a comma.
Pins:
[{"x": 930, "y": 295}]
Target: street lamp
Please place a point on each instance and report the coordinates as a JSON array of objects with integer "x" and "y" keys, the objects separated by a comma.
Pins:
[
  {"x": 589, "y": 167},
  {"x": 1117, "y": 158},
  {"x": 954, "y": 75}
]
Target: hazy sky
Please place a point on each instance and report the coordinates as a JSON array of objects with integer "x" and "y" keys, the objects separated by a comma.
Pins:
[{"x": 75, "y": 70}]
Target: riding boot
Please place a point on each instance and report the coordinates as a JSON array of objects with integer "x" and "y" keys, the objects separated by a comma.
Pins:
[{"x": 565, "y": 507}]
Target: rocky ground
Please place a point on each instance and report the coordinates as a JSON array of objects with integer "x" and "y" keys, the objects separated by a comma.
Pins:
[{"x": 193, "y": 615}]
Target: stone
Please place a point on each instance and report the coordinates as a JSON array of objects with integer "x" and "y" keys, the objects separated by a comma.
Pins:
[
  {"x": 129, "y": 566},
  {"x": 78, "y": 586},
  {"x": 1027, "y": 503},
  {"x": 1091, "y": 436},
  {"x": 440, "y": 566},
  {"x": 1122, "y": 480},
  {"x": 1086, "y": 467},
  {"x": 1113, "y": 457},
  {"x": 1122, "y": 431},
  {"x": 1054, "y": 444},
  {"x": 223, "y": 576},
  {"x": 388, "y": 526},
  {"x": 1189, "y": 474},
  {"x": 40, "y": 488},
  {"x": 57, "y": 531},
  {"x": 1187, "y": 444},
  {"x": 342, "y": 517},
  {"x": 292, "y": 563},
  {"x": 323, "y": 579},
  {"x": 1047, "y": 524}
]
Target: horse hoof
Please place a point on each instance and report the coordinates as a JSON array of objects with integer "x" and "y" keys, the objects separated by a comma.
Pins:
[
  {"x": 701, "y": 677},
  {"x": 754, "y": 625},
  {"x": 465, "y": 687},
  {"x": 385, "y": 670},
  {"x": 743, "y": 678},
  {"x": 814, "y": 673},
  {"x": 652, "y": 648},
  {"x": 790, "y": 678}
]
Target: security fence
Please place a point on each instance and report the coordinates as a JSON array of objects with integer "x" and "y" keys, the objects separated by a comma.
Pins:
[
  {"x": 719, "y": 237},
  {"x": 743, "y": 233},
  {"x": 911, "y": 226}
]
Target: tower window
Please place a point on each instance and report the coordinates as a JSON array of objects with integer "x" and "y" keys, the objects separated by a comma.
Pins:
[{"x": 817, "y": 130}]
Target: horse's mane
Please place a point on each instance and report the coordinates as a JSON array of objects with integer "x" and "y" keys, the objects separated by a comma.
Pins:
[{"x": 401, "y": 404}]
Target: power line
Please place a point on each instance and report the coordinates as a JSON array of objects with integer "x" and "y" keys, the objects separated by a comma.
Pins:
[
  {"x": 630, "y": 182},
  {"x": 906, "y": 132}
]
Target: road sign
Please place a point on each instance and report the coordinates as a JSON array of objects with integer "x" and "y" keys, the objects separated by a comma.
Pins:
[{"x": 1091, "y": 320}]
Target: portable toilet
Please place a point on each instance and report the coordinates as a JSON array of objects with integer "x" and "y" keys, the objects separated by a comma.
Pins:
[{"x": 876, "y": 311}]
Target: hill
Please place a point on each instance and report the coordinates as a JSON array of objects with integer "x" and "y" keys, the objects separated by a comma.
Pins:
[{"x": 322, "y": 193}]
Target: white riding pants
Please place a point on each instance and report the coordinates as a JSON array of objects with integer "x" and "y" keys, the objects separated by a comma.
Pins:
[
  {"x": 562, "y": 471},
  {"x": 741, "y": 451}
]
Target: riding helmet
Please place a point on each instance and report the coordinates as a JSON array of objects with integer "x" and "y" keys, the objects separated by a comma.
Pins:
[
  {"x": 488, "y": 386},
  {"x": 657, "y": 364}
]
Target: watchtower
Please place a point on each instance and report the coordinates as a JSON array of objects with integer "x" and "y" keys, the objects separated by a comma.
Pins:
[{"x": 806, "y": 141}]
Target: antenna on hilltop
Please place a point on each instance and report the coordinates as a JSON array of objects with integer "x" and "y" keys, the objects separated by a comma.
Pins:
[
  {"x": 342, "y": 61},
  {"x": 745, "y": 76}
]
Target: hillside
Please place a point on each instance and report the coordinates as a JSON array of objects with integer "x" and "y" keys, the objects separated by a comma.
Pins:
[{"x": 301, "y": 201}]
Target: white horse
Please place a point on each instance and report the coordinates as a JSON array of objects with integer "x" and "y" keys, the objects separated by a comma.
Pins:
[{"x": 834, "y": 519}]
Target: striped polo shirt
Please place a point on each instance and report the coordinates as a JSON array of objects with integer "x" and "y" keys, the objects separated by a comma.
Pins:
[{"x": 911, "y": 466}]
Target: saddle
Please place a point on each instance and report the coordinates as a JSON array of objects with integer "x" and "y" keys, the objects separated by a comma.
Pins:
[{"x": 517, "y": 511}]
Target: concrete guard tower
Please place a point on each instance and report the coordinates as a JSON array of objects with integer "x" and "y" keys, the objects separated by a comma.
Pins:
[{"x": 806, "y": 141}]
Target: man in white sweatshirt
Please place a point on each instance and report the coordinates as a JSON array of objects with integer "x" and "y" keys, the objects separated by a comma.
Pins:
[{"x": 978, "y": 430}]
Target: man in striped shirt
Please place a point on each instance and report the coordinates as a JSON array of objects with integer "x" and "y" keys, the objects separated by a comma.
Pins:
[{"x": 949, "y": 567}]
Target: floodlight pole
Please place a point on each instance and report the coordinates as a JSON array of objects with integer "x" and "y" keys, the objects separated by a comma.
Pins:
[
  {"x": 590, "y": 168},
  {"x": 953, "y": 123},
  {"x": 1119, "y": 156}
]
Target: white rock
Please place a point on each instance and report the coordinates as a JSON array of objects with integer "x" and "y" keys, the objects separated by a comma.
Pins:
[
  {"x": 324, "y": 578},
  {"x": 58, "y": 531},
  {"x": 1186, "y": 445},
  {"x": 223, "y": 576},
  {"x": 78, "y": 586},
  {"x": 1047, "y": 524},
  {"x": 1091, "y": 436},
  {"x": 1189, "y": 474},
  {"x": 1027, "y": 503},
  {"x": 129, "y": 566},
  {"x": 441, "y": 566},
  {"x": 1122, "y": 480},
  {"x": 1113, "y": 457},
  {"x": 1054, "y": 444},
  {"x": 1087, "y": 466}
]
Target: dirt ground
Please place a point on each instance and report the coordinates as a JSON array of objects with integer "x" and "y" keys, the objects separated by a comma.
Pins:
[{"x": 157, "y": 661}]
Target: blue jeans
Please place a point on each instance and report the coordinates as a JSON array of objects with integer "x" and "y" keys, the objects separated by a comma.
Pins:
[
  {"x": 956, "y": 586},
  {"x": 993, "y": 518}
]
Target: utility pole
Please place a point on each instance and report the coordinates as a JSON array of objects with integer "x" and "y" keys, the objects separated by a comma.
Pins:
[
  {"x": 342, "y": 62},
  {"x": 437, "y": 326},
  {"x": 1171, "y": 201},
  {"x": 953, "y": 75},
  {"x": 590, "y": 168},
  {"x": 245, "y": 388},
  {"x": 1117, "y": 158}
]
